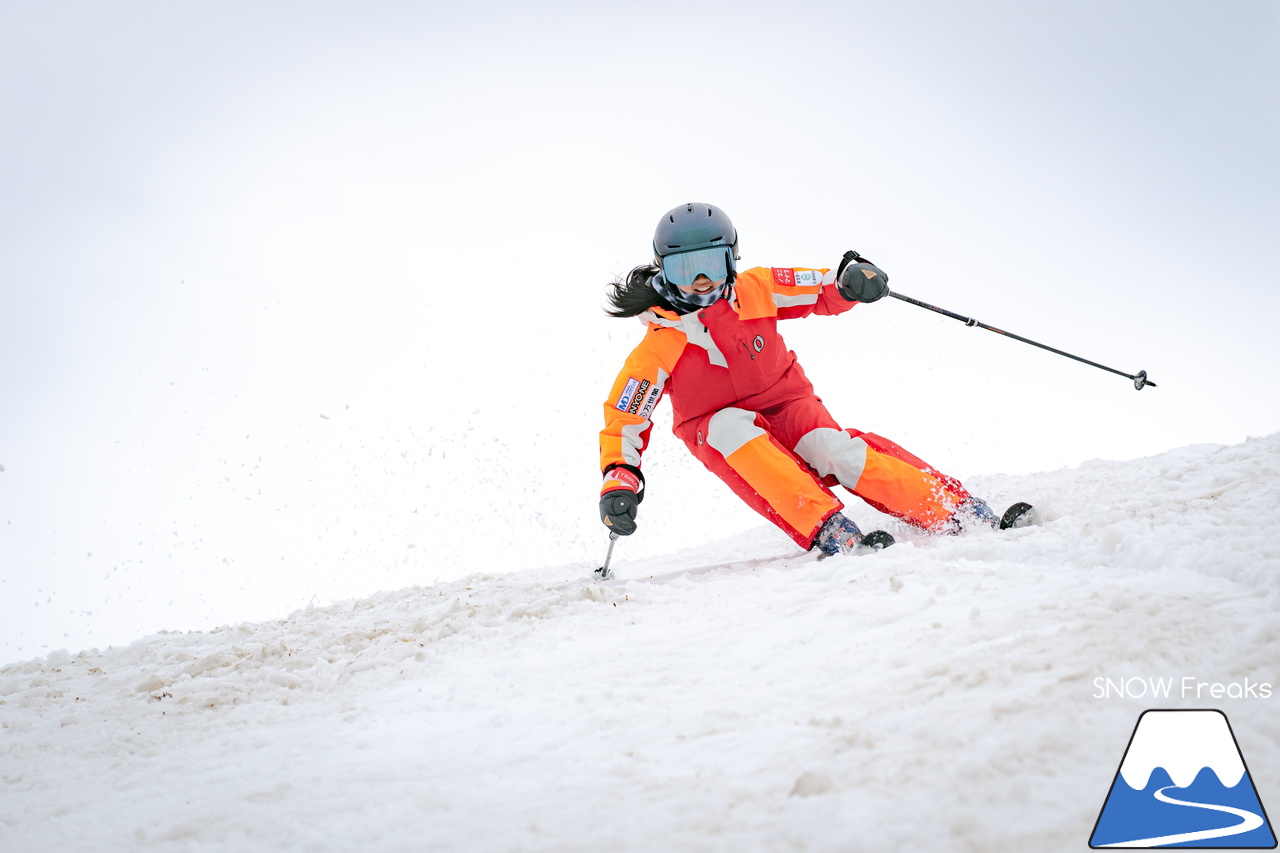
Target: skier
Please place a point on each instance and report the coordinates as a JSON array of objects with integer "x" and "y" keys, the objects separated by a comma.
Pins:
[{"x": 742, "y": 403}]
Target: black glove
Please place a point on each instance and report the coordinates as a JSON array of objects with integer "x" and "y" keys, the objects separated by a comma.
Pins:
[
  {"x": 859, "y": 280},
  {"x": 618, "y": 511},
  {"x": 620, "y": 498}
]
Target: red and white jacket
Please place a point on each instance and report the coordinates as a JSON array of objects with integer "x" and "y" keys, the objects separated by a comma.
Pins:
[{"x": 719, "y": 356}]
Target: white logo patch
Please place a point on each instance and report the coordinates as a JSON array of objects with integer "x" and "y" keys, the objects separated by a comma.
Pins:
[{"x": 808, "y": 278}]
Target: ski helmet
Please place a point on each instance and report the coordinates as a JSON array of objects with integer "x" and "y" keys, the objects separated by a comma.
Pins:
[{"x": 691, "y": 240}]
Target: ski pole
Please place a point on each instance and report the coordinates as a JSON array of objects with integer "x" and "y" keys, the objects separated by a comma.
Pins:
[
  {"x": 603, "y": 572},
  {"x": 1140, "y": 379}
]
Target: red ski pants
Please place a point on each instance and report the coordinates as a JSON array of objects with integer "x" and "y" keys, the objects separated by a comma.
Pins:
[{"x": 783, "y": 459}]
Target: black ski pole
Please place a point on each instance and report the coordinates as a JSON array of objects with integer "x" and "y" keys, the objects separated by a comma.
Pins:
[{"x": 1140, "y": 379}]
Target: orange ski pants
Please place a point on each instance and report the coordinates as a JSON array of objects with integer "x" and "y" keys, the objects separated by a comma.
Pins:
[{"x": 784, "y": 458}]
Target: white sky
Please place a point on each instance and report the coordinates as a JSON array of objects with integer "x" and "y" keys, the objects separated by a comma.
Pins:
[{"x": 302, "y": 301}]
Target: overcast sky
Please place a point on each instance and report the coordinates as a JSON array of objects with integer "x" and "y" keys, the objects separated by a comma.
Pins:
[{"x": 302, "y": 300}]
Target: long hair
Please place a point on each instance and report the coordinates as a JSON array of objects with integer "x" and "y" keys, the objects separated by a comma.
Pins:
[{"x": 634, "y": 295}]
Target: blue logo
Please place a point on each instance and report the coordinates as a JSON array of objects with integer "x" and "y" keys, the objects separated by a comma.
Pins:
[{"x": 1183, "y": 783}]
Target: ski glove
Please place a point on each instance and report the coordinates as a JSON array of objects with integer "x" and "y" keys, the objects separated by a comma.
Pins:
[
  {"x": 862, "y": 281},
  {"x": 620, "y": 498}
]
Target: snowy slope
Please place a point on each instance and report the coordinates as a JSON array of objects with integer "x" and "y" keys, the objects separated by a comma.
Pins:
[{"x": 937, "y": 696}]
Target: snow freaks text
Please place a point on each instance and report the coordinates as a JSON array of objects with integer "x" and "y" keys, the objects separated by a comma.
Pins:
[{"x": 1186, "y": 687}]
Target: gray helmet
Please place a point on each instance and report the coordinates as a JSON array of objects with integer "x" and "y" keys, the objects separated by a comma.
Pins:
[
  {"x": 693, "y": 226},
  {"x": 690, "y": 241}
]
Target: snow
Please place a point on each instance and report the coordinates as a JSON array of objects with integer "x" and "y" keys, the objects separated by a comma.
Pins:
[{"x": 940, "y": 695}]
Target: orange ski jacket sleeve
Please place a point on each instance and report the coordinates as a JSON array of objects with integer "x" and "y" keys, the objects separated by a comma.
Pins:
[{"x": 781, "y": 293}]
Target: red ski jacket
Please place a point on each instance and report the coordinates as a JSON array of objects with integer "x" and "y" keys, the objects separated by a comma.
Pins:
[{"x": 719, "y": 356}]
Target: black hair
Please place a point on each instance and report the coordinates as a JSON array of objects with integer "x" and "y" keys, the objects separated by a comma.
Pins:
[{"x": 634, "y": 295}]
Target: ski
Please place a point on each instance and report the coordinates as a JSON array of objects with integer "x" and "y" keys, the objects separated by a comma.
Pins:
[
  {"x": 1021, "y": 514},
  {"x": 1018, "y": 515}
]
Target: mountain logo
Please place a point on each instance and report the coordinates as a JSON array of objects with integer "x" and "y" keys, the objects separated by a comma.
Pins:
[{"x": 1183, "y": 783}]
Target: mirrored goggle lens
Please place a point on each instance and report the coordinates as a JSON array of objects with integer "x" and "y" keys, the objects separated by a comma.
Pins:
[{"x": 684, "y": 268}]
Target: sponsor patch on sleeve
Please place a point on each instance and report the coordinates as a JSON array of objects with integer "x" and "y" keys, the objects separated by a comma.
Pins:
[
  {"x": 808, "y": 278},
  {"x": 638, "y": 397},
  {"x": 628, "y": 394},
  {"x": 784, "y": 277},
  {"x": 650, "y": 400}
]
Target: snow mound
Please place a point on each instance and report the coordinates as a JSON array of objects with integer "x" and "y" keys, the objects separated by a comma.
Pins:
[{"x": 938, "y": 695}]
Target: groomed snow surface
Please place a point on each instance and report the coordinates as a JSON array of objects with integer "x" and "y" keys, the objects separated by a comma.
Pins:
[{"x": 937, "y": 696}]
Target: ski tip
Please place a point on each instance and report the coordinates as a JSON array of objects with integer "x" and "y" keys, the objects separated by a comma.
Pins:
[
  {"x": 1019, "y": 515},
  {"x": 877, "y": 540}
]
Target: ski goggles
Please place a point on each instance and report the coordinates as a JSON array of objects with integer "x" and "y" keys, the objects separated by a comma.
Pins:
[{"x": 683, "y": 269}]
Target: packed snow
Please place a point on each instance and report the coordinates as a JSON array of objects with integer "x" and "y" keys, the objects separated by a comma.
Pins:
[{"x": 962, "y": 693}]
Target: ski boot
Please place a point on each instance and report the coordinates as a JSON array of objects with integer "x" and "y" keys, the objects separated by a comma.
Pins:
[
  {"x": 841, "y": 536},
  {"x": 976, "y": 512}
]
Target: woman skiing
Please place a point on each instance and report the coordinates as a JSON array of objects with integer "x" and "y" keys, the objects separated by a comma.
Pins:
[{"x": 741, "y": 401}]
